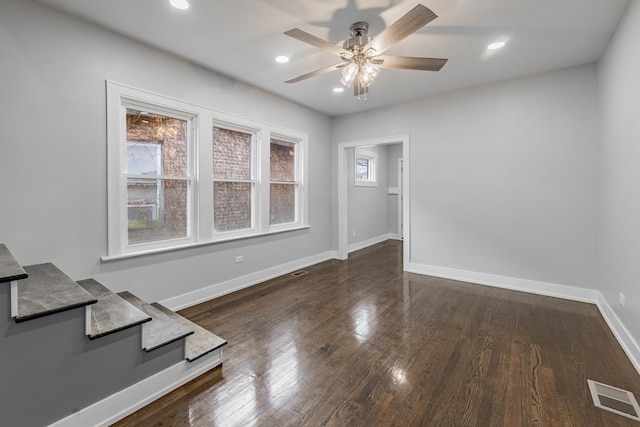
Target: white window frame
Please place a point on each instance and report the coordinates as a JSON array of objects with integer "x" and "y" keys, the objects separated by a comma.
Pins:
[
  {"x": 201, "y": 121},
  {"x": 297, "y": 182},
  {"x": 372, "y": 176},
  {"x": 255, "y": 182}
]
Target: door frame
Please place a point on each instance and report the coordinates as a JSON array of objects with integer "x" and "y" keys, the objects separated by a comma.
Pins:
[
  {"x": 400, "y": 197},
  {"x": 343, "y": 214}
]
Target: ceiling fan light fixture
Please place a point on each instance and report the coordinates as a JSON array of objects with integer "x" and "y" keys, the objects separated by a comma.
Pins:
[
  {"x": 349, "y": 74},
  {"x": 368, "y": 73}
]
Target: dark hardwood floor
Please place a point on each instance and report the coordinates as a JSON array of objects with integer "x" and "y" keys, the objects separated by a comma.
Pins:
[{"x": 360, "y": 343}]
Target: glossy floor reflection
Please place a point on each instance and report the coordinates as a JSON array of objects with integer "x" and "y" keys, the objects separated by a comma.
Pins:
[{"x": 360, "y": 343}]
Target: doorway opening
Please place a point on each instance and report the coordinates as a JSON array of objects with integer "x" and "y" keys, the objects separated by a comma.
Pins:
[{"x": 402, "y": 191}]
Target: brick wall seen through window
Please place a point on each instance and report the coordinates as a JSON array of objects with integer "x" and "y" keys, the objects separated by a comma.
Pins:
[{"x": 156, "y": 207}]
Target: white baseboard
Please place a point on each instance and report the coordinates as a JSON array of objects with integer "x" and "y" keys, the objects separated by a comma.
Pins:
[
  {"x": 369, "y": 242},
  {"x": 626, "y": 340},
  {"x": 394, "y": 236},
  {"x": 127, "y": 401},
  {"x": 505, "y": 282},
  {"x": 217, "y": 290}
]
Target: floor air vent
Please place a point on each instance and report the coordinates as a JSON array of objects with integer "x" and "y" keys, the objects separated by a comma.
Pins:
[
  {"x": 299, "y": 273},
  {"x": 613, "y": 399}
]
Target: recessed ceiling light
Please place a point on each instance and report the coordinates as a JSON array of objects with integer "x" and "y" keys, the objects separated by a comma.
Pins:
[
  {"x": 496, "y": 45},
  {"x": 338, "y": 89},
  {"x": 282, "y": 59},
  {"x": 180, "y": 4}
]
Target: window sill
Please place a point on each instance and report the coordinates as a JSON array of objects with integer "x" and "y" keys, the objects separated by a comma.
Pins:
[
  {"x": 197, "y": 244},
  {"x": 366, "y": 183}
]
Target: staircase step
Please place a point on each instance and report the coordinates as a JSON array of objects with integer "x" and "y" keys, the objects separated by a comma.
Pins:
[
  {"x": 111, "y": 313},
  {"x": 10, "y": 270},
  {"x": 161, "y": 330},
  {"x": 47, "y": 290},
  {"x": 201, "y": 342}
]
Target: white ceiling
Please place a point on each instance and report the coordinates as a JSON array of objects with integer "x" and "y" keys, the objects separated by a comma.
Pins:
[{"x": 241, "y": 38}]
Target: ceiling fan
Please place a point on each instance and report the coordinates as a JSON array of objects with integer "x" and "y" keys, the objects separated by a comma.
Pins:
[{"x": 362, "y": 55}]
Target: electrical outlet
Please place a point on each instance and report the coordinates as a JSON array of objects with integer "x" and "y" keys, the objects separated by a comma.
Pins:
[
  {"x": 621, "y": 298},
  {"x": 239, "y": 259}
]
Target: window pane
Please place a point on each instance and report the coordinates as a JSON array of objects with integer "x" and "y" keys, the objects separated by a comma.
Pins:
[
  {"x": 283, "y": 203},
  {"x": 144, "y": 158},
  {"x": 283, "y": 162},
  {"x": 156, "y": 144},
  {"x": 362, "y": 169},
  {"x": 232, "y": 205},
  {"x": 156, "y": 209},
  {"x": 231, "y": 154}
]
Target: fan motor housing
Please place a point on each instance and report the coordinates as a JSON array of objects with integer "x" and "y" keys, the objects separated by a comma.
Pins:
[
  {"x": 359, "y": 29},
  {"x": 355, "y": 41},
  {"x": 358, "y": 33}
]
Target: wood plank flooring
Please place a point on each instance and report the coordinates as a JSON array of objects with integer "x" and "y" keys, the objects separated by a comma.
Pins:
[{"x": 360, "y": 343}]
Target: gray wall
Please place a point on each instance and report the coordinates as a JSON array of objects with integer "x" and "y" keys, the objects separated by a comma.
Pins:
[
  {"x": 367, "y": 205},
  {"x": 503, "y": 177},
  {"x": 619, "y": 172},
  {"x": 53, "y": 153}
]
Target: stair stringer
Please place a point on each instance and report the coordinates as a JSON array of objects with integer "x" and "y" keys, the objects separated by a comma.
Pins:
[
  {"x": 125, "y": 402},
  {"x": 51, "y": 369}
]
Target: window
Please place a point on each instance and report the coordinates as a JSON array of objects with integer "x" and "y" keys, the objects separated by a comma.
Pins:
[
  {"x": 284, "y": 186},
  {"x": 365, "y": 168},
  {"x": 182, "y": 175},
  {"x": 233, "y": 179},
  {"x": 158, "y": 182}
]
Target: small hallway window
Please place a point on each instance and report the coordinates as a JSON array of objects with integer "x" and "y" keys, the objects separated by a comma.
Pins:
[{"x": 365, "y": 168}]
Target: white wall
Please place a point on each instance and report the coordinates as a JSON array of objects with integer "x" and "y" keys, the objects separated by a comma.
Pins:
[
  {"x": 503, "y": 177},
  {"x": 367, "y": 205},
  {"x": 619, "y": 171},
  {"x": 53, "y": 153}
]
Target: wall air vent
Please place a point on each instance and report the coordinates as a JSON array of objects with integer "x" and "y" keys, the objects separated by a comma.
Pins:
[{"x": 621, "y": 402}]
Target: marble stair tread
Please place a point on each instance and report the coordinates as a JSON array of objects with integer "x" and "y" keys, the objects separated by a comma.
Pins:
[
  {"x": 111, "y": 313},
  {"x": 201, "y": 342},
  {"x": 10, "y": 270},
  {"x": 162, "y": 329},
  {"x": 48, "y": 290}
]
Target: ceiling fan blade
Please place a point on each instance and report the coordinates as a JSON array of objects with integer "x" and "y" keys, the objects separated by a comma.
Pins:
[
  {"x": 315, "y": 73},
  {"x": 303, "y": 36},
  {"x": 358, "y": 89},
  {"x": 411, "y": 22},
  {"x": 409, "y": 62}
]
